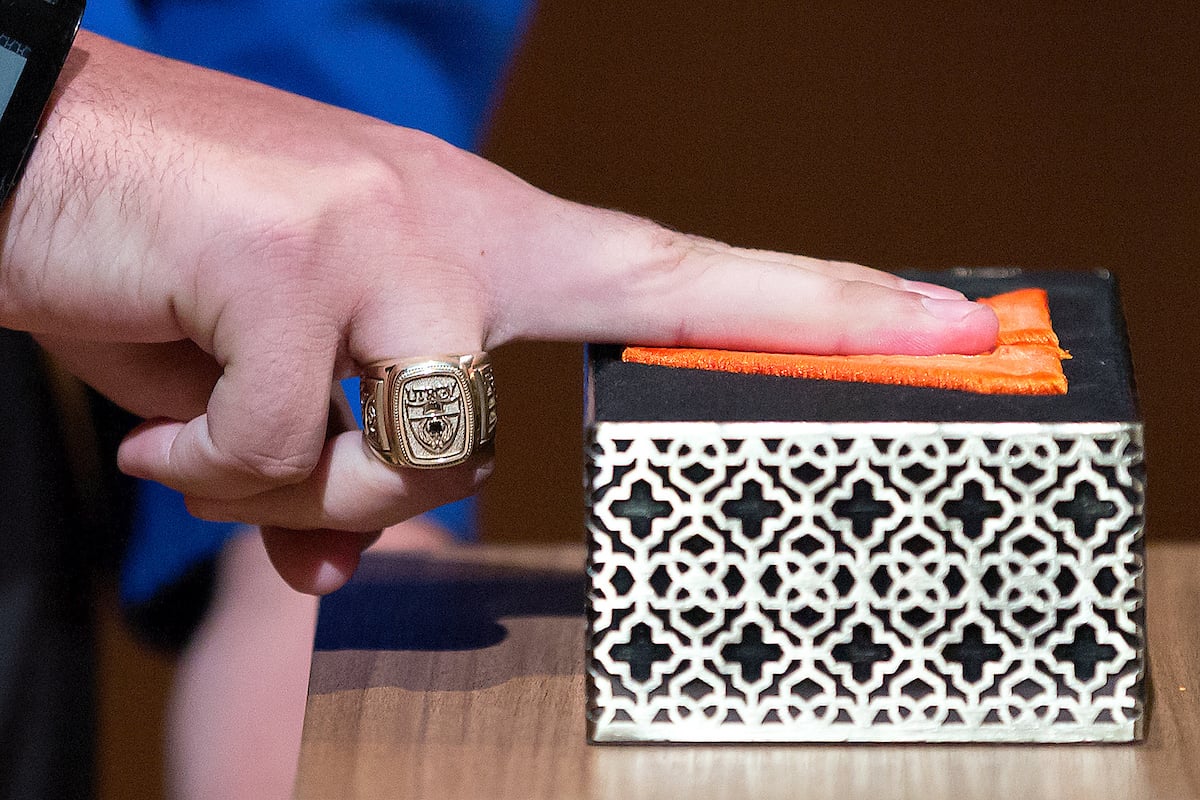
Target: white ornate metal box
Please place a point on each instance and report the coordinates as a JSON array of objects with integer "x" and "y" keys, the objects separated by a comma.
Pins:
[{"x": 783, "y": 560}]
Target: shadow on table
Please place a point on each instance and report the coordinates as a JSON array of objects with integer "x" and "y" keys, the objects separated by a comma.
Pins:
[{"x": 419, "y": 602}]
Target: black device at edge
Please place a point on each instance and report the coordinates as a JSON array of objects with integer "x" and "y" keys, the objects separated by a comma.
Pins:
[{"x": 35, "y": 38}]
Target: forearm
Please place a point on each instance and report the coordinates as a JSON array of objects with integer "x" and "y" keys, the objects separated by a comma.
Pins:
[{"x": 86, "y": 206}]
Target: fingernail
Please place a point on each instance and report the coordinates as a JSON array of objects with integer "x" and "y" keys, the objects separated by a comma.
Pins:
[
  {"x": 484, "y": 471},
  {"x": 327, "y": 579},
  {"x": 933, "y": 290},
  {"x": 949, "y": 310}
]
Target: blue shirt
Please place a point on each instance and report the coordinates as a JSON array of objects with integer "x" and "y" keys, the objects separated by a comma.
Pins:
[{"x": 434, "y": 65}]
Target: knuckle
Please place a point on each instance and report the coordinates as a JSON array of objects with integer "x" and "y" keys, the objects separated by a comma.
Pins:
[
  {"x": 269, "y": 468},
  {"x": 656, "y": 261},
  {"x": 868, "y": 315},
  {"x": 429, "y": 154},
  {"x": 667, "y": 251},
  {"x": 373, "y": 188},
  {"x": 864, "y": 297},
  {"x": 416, "y": 192},
  {"x": 287, "y": 244},
  {"x": 317, "y": 222}
]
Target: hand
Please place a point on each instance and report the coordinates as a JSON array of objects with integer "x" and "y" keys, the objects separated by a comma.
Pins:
[{"x": 212, "y": 254}]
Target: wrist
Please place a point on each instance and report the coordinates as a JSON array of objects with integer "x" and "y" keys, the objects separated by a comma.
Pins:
[
  {"x": 80, "y": 201},
  {"x": 54, "y": 175}
]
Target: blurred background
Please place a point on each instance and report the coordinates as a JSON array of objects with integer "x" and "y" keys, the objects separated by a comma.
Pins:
[{"x": 1042, "y": 135}]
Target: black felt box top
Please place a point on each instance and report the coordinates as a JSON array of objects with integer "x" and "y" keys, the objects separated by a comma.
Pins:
[{"x": 1085, "y": 311}]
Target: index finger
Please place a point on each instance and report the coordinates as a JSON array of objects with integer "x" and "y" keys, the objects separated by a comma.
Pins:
[{"x": 611, "y": 277}]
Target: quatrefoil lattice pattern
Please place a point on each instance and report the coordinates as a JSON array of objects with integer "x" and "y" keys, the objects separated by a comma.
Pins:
[{"x": 865, "y": 582}]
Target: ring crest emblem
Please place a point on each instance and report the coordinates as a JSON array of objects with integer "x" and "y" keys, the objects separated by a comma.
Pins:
[{"x": 433, "y": 411}]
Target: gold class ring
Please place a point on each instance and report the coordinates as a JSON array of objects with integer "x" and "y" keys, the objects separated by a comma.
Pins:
[{"x": 428, "y": 412}]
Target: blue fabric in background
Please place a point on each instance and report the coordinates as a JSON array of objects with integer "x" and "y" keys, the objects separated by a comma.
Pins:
[{"x": 434, "y": 65}]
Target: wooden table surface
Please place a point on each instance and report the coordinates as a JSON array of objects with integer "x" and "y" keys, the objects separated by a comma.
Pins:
[{"x": 460, "y": 675}]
